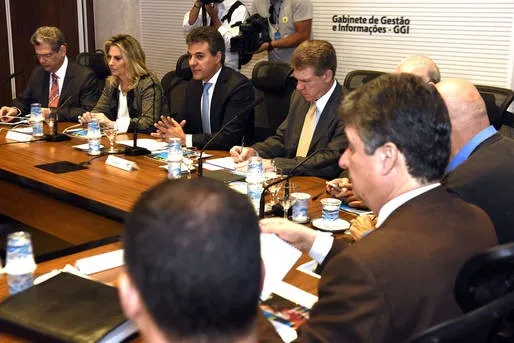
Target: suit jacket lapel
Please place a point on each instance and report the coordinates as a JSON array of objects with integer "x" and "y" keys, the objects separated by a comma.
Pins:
[
  {"x": 46, "y": 89},
  {"x": 66, "y": 85},
  {"x": 326, "y": 118}
]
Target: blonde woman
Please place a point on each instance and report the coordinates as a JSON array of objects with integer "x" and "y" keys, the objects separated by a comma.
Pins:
[{"x": 132, "y": 94}]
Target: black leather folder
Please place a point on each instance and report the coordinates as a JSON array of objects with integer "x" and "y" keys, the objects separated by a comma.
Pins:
[{"x": 66, "y": 308}]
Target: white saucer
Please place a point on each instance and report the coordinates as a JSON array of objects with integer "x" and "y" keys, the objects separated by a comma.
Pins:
[{"x": 331, "y": 226}]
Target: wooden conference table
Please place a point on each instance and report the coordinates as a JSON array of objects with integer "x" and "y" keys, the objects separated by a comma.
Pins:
[{"x": 90, "y": 204}]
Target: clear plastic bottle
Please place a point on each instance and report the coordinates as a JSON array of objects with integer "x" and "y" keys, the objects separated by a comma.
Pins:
[
  {"x": 36, "y": 116},
  {"x": 93, "y": 137},
  {"x": 174, "y": 159}
]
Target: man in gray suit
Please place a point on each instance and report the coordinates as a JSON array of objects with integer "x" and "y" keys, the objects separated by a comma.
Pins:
[
  {"x": 312, "y": 122},
  {"x": 398, "y": 280}
]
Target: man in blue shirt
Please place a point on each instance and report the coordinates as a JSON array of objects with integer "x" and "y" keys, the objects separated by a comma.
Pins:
[{"x": 481, "y": 160}]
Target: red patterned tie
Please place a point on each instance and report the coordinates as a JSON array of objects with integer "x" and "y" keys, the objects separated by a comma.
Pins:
[{"x": 53, "y": 99}]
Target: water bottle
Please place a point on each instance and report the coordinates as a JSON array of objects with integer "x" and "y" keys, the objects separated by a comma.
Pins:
[
  {"x": 254, "y": 191},
  {"x": 37, "y": 119},
  {"x": 254, "y": 173},
  {"x": 93, "y": 137},
  {"x": 174, "y": 159},
  {"x": 254, "y": 181},
  {"x": 20, "y": 264}
]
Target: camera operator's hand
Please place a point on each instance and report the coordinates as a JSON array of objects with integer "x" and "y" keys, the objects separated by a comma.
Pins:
[{"x": 212, "y": 11}]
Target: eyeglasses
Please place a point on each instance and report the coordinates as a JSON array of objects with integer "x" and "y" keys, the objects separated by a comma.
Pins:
[
  {"x": 272, "y": 17},
  {"x": 45, "y": 56}
]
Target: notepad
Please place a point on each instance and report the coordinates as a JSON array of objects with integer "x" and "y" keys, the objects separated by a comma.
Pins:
[{"x": 66, "y": 308}]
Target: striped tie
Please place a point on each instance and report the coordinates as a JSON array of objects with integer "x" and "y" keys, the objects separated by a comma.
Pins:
[
  {"x": 53, "y": 98},
  {"x": 206, "y": 118}
]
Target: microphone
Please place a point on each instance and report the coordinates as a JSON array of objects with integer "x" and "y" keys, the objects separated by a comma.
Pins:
[
  {"x": 12, "y": 76},
  {"x": 135, "y": 150},
  {"x": 54, "y": 136},
  {"x": 243, "y": 111},
  {"x": 293, "y": 173}
]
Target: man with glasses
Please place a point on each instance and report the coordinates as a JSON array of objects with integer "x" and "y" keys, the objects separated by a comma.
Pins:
[
  {"x": 290, "y": 23},
  {"x": 312, "y": 123},
  {"x": 57, "y": 82}
]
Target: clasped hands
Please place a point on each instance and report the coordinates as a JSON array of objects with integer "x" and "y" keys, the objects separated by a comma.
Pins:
[{"x": 167, "y": 128}]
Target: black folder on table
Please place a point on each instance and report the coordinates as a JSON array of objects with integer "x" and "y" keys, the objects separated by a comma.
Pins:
[{"x": 66, "y": 308}]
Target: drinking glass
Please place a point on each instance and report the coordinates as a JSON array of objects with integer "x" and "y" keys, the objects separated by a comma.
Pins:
[
  {"x": 284, "y": 196},
  {"x": 111, "y": 133},
  {"x": 270, "y": 175}
]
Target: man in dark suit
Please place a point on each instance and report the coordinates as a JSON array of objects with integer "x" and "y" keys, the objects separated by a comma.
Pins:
[
  {"x": 312, "y": 122},
  {"x": 398, "y": 280},
  {"x": 216, "y": 95},
  {"x": 192, "y": 264},
  {"x": 57, "y": 82},
  {"x": 482, "y": 160}
]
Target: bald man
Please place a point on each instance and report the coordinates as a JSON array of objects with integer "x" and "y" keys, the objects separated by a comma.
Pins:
[
  {"x": 421, "y": 66},
  {"x": 481, "y": 159}
]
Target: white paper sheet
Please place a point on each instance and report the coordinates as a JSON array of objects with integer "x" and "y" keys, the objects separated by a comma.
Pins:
[
  {"x": 278, "y": 257},
  {"x": 101, "y": 262}
]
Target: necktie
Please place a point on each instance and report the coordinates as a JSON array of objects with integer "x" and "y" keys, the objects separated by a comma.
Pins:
[
  {"x": 53, "y": 98},
  {"x": 307, "y": 131},
  {"x": 206, "y": 118}
]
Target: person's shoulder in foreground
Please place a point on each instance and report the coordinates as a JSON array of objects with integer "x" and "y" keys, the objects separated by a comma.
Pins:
[
  {"x": 193, "y": 266},
  {"x": 398, "y": 280}
]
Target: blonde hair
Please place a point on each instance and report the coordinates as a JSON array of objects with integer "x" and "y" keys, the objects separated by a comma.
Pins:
[{"x": 132, "y": 54}]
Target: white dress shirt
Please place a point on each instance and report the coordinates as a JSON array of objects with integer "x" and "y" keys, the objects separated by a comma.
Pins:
[
  {"x": 210, "y": 92},
  {"x": 123, "y": 117}
]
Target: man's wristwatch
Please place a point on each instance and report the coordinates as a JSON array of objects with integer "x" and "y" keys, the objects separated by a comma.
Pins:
[{"x": 270, "y": 46}]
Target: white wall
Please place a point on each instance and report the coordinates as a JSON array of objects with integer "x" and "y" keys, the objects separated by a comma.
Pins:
[
  {"x": 473, "y": 39},
  {"x": 115, "y": 16}
]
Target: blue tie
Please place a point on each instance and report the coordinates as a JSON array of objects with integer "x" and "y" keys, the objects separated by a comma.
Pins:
[{"x": 206, "y": 118}]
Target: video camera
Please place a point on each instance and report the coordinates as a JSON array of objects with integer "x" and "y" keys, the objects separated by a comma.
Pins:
[
  {"x": 252, "y": 33},
  {"x": 206, "y": 2}
]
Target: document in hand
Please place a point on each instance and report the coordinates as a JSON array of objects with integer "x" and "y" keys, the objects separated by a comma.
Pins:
[
  {"x": 278, "y": 257},
  {"x": 66, "y": 308}
]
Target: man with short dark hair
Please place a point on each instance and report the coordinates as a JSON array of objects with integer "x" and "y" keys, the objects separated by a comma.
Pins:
[
  {"x": 482, "y": 160},
  {"x": 192, "y": 264},
  {"x": 398, "y": 280},
  {"x": 312, "y": 122},
  {"x": 214, "y": 97},
  {"x": 57, "y": 82}
]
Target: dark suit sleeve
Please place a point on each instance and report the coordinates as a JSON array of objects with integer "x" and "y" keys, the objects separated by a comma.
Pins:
[
  {"x": 85, "y": 98},
  {"x": 28, "y": 96},
  {"x": 350, "y": 308},
  {"x": 239, "y": 97}
]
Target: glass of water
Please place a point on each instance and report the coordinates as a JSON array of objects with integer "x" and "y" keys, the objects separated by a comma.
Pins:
[
  {"x": 111, "y": 133},
  {"x": 284, "y": 196}
]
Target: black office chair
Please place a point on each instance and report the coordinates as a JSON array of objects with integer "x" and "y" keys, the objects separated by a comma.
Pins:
[
  {"x": 497, "y": 100},
  {"x": 482, "y": 325},
  {"x": 272, "y": 81},
  {"x": 357, "y": 78},
  {"x": 485, "y": 277},
  {"x": 174, "y": 84},
  {"x": 96, "y": 61}
]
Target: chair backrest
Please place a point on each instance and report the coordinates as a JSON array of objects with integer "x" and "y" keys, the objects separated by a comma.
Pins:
[
  {"x": 357, "y": 78},
  {"x": 485, "y": 277},
  {"x": 96, "y": 61},
  {"x": 272, "y": 81},
  {"x": 174, "y": 84},
  {"x": 497, "y": 100},
  {"x": 481, "y": 325}
]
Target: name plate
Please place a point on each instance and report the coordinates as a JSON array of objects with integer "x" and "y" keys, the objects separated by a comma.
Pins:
[
  {"x": 121, "y": 163},
  {"x": 19, "y": 136}
]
